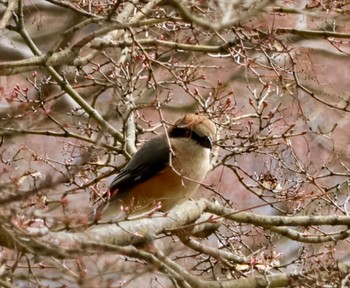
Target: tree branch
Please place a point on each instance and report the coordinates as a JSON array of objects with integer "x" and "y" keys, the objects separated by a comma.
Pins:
[
  {"x": 93, "y": 113},
  {"x": 12, "y": 5}
]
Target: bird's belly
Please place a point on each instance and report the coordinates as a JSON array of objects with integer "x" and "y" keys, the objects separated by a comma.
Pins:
[
  {"x": 174, "y": 185},
  {"x": 163, "y": 190}
]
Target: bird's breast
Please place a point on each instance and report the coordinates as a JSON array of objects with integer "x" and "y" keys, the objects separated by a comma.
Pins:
[
  {"x": 178, "y": 182},
  {"x": 190, "y": 160},
  {"x": 174, "y": 184}
]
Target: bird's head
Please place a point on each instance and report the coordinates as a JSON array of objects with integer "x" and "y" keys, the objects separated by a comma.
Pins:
[{"x": 196, "y": 127}]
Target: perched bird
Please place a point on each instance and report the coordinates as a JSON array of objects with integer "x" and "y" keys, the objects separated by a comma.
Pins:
[{"x": 166, "y": 171}]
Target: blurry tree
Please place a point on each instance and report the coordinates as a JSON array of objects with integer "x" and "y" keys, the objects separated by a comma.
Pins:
[{"x": 85, "y": 83}]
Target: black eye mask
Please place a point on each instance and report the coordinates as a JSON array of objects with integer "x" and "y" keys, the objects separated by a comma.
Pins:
[{"x": 179, "y": 132}]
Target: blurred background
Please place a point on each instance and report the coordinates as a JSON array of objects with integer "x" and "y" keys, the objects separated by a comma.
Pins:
[{"x": 84, "y": 84}]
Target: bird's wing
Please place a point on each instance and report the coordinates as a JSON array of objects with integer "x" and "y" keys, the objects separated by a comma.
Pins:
[{"x": 150, "y": 160}]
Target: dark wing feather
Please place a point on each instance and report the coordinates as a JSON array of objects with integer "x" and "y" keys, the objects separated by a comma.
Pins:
[{"x": 151, "y": 159}]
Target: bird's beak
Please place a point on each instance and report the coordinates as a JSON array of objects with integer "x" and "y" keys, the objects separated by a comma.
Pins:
[{"x": 206, "y": 142}]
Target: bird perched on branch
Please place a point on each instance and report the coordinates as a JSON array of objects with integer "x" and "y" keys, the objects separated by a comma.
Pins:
[{"x": 166, "y": 171}]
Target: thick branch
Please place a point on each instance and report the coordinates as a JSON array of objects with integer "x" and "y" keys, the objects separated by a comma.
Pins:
[
  {"x": 270, "y": 221},
  {"x": 181, "y": 217},
  {"x": 312, "y": 33},
  {"x": 105, "y": 43}
]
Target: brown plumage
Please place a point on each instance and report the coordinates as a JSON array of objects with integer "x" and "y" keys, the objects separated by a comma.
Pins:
[{"x": 155, "y": 179}]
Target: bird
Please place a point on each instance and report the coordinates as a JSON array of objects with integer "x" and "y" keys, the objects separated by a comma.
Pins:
[{"x": 167, "y": 170}]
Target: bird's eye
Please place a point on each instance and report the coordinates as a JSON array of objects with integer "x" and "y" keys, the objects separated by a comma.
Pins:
[{"x": 205, "y": 141}]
